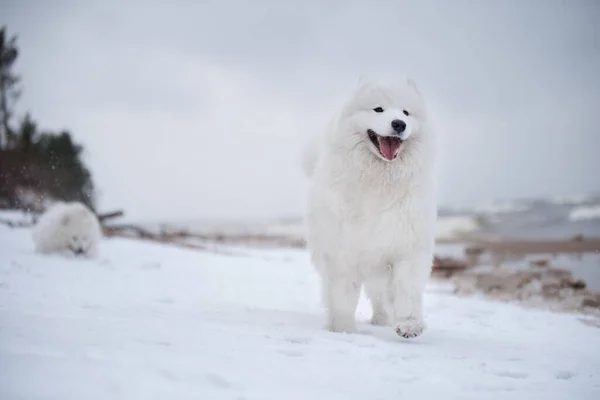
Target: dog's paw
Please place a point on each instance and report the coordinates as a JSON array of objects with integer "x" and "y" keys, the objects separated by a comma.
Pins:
[{"x": 409, "y": 327}]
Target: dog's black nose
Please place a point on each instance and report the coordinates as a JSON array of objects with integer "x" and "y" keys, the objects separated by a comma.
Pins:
[
  {"x": 398, "y": 125},
  {"x": 78, "y": 251}
]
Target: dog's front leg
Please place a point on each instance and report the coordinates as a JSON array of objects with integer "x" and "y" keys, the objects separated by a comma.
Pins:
[
  {"x": 340, "y": 295},
  {"x": 409, "y": 278}
]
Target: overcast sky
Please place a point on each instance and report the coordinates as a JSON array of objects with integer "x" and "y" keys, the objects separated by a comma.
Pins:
[{"x": 198, "y": 109}]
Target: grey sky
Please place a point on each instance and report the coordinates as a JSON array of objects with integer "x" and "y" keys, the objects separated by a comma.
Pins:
[{"x": 198, "y": 109}]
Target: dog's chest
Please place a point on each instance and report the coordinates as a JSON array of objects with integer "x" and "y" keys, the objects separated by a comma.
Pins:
[
  {"x": 373, "y": 209},
  {"x": 372, "y": 215},
  {"x": 397, "y": 214}
]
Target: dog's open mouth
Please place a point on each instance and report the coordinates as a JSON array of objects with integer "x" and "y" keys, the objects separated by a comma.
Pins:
[
  {"x": 388, "y": 146},
  {"x": 77, "y": 250}
]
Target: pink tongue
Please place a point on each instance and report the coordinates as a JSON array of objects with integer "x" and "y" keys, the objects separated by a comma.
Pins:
[{"x": 389, "y": 146}]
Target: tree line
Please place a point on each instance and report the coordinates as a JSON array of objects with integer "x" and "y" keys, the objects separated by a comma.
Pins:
[{"x": 35, "y": 165}]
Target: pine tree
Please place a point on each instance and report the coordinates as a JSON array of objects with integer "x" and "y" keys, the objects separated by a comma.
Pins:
[
  {"x": 47, "y": 162},
  {"x": 9, "y": 93},
  {"x": 27, "y": 136}
]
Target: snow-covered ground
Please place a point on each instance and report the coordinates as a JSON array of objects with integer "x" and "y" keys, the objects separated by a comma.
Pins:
[
  {"x": 452, "y": 227},
  {"x": 148, "y": 321}
]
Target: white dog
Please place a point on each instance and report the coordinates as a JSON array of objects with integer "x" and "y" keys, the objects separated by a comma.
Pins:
[
  {"x": 372, "y": 207},
  {"x": 68, "y": 228}
]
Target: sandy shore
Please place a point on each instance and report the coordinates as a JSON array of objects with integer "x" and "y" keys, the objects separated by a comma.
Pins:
[{"x": 524, "y": 247}]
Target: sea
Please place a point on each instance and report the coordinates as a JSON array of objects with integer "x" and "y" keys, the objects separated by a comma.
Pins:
[{"x": 563, "y": 218}]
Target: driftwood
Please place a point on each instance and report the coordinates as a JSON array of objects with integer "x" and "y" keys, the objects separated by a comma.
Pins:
[
  {"x": 446, "y": 267},
  {"x": 449, "y": 263},
  {"x": 132, "y": 231},
  {"x": 110, "y": 215},
  {"x": 175, "y": 238}
]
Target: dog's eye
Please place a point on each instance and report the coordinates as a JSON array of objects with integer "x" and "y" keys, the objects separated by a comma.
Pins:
[
  {"x": 406, "y": 113},
  {"x": 378, "y": 109}
]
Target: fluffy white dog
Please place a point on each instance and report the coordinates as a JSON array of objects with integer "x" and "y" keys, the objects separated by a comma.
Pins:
[
  {"x": 372, "y": 207},
  {"x": 68, "y": 228}
]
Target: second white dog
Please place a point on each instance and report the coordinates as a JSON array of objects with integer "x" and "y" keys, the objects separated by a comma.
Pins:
[
  {"x": 372, "y": 207},
  {"x": 69, "y": 228}
]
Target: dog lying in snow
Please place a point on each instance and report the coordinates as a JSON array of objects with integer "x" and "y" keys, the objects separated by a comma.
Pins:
[{"x": 68, "y": 228}]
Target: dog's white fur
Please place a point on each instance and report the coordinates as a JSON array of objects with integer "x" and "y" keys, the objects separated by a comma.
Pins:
[
  {"x": 69, "y": 228},
  {"x": 372, "y": 221}
]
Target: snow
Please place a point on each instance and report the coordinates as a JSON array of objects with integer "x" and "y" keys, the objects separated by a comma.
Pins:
[
  {"x": 451, "y": 227},
  {"x": 585, "y": 213},
  {"x": 13, "y": 216},
  {"x": 150, "y": 321}
]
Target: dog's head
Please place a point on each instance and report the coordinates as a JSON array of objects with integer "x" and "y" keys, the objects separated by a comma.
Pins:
[
  {"x": 383, "y": 116},
  {"x": 81, "y": 231}
]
